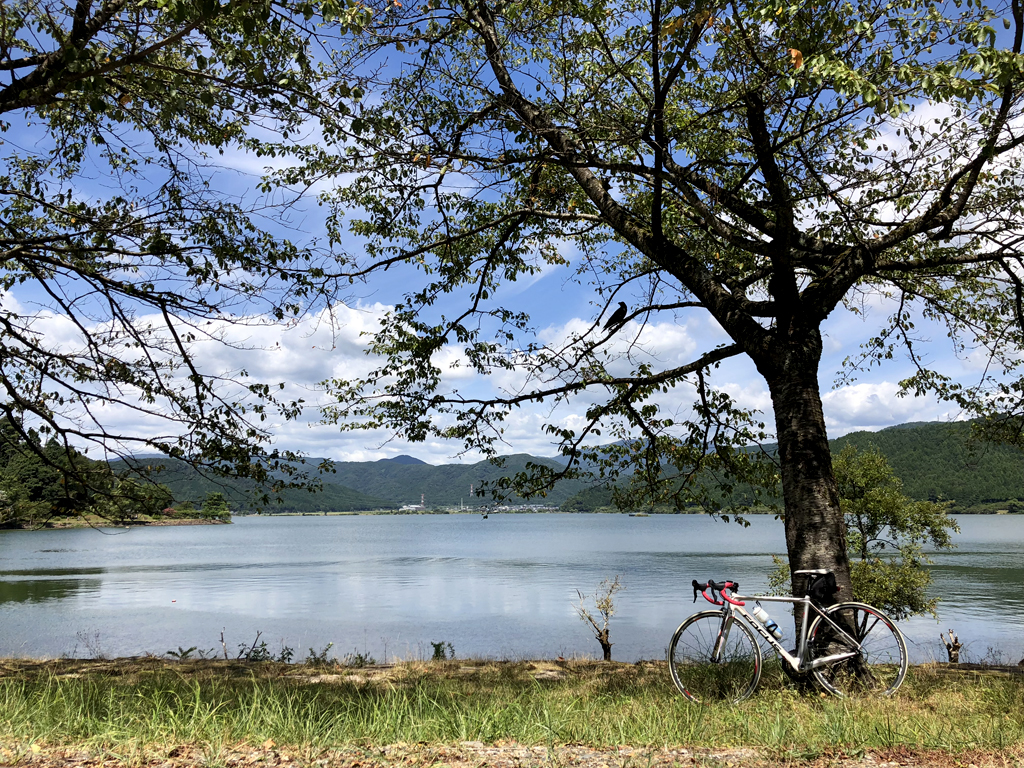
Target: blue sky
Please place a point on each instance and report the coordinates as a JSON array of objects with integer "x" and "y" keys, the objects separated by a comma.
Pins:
[
  {"x": 331, "y": 343},
  {"x": 323, "y": 346}
]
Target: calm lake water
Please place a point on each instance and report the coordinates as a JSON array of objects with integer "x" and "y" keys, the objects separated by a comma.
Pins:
[{"x": 390, "y": 585}]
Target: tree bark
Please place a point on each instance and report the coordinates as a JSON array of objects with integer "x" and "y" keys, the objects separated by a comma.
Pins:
[
  {"x": 606, "y": 647},
  {"x": 815, "y": 528}
]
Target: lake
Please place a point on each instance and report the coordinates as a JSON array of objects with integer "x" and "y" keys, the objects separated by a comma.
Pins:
[{"x": 389, "y": 586}]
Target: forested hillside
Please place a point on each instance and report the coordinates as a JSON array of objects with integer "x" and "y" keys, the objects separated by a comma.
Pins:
[
  {"x": 400, "y": 481},
  {"x": 934, "y": 460},
  {"x": 41, "y": 481},
  {"x": 369, "y": 485},
  {"x": 940, "y": 461},
  {"x": 187, "y": 485}
]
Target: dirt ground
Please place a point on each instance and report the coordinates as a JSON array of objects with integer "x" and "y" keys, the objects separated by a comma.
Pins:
[{"x": 471, "y": 754}]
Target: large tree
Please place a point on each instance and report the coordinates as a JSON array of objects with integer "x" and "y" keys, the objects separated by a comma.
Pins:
[
  {"x": 124, "y": 243},
  {"x": 762, "y": 163}
]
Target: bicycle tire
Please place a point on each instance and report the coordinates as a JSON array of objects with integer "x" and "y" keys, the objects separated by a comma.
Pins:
[
  {"x": 878, "y": 668},
  {"x": 732, "y": 678}
]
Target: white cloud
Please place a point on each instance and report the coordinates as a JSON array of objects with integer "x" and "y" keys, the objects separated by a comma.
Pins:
[
  {"x": 873, "y": 406},
  {"x": 332, "y": 344}
]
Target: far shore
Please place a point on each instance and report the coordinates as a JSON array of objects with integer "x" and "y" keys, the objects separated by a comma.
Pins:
[
  {"x": 987, "y": 509},
  {"x": 78, "y": 522},
  {"x": 95, "y": 522}
]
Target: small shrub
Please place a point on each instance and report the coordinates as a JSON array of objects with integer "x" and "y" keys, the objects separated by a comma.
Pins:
[
  {"x": 259, "y": 651},
  {"x": 443, "y": 651},
  {"x": 182, "y": 654},
  {"x": 320, "y": 659},
  {"x": 357, "y": 659},
  {"x": 254, "y": 652}
]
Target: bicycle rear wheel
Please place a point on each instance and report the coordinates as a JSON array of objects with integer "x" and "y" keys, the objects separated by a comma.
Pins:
[
  {"x": 732, "y": 676},
  {"x": 880, "y": 665}
]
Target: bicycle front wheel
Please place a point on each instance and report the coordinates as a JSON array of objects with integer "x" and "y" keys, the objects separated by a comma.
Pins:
[
  {"x": 703, "y": 676},
  {"x": 878, "y": 666}
]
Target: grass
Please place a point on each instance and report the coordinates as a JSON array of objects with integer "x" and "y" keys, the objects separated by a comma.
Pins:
[{"x": 129, "y": 704}]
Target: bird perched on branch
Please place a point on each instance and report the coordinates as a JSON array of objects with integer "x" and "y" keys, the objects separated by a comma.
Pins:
[{"x": 616, "y": 320}]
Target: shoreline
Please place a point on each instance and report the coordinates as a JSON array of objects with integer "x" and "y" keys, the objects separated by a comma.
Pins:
[{"x": 66, "y": 524}]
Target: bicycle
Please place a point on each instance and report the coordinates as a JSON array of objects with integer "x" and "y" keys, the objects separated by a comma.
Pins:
[{"x": 848, "y": 647}]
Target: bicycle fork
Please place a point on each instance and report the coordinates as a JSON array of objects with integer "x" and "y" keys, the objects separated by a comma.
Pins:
[{"x": 723, "y": 636}]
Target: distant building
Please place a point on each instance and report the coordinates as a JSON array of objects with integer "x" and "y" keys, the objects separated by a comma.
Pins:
[{"x": 415, "y": 507}]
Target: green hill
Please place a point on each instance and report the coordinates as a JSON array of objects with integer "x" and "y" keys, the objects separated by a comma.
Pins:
[
  {"x": 186, "y": 484},
  {"x": 935, "y": 460},
  {"x": 367, "y": 485},
  {"x": 940, "y": 461},
  {"x": 403, "y": 482}
]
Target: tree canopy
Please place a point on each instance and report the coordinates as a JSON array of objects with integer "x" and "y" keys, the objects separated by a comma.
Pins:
[
  {"x": 122, "y": 250},
  {"x": 36, "y": 483},
  {"x": 759, "y": 163}
]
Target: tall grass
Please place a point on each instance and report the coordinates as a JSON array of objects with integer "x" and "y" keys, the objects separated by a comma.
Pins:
[{"x": 440, "y": 704}]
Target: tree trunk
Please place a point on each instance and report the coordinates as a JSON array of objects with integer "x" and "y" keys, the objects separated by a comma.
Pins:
[
  {"x": 606, "y": 647},
  {"x": 815, "y": 529}
]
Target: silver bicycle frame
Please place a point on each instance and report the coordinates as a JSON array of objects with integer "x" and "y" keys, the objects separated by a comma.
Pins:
[{"x": 799, "y": 662}]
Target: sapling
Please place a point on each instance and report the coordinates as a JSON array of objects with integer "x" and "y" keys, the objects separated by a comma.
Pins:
[{"x": 605, "y": 605}]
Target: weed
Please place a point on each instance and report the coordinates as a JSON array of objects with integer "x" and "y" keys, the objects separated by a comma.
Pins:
[
  {"x": 356, "y": 659},
  {"x": 91, "y": 643},
  {"x": 320, "y": 659},
  {"x": 994, "y": 657},
  {"x": 259, "y": 651}
]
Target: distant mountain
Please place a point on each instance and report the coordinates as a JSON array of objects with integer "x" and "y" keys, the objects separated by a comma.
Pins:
[
  {"x": 445, "y": 484},
  {"x": 935, "y": 460},
  {"x": 939, "y": 460},
  {"x": 403, "y": 459},
  {"x": 366, "y": 485},
  {"x": 186, "y": 484}
]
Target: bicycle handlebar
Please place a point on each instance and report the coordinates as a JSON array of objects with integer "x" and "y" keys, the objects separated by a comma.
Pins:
[{"x": 716, "y": 587}]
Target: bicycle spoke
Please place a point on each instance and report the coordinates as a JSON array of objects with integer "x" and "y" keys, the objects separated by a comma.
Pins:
[
  {"x": 879, "y": 664},
  {"x": 865, "y": 630},
  {"x": 704, "y": 676}
]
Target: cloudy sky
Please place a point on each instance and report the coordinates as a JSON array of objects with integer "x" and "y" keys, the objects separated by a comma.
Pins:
[{"x": 332, "y": 344}]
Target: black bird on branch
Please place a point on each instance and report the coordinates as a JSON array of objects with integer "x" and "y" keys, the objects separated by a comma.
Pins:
[{"x": 616, "y": 320}]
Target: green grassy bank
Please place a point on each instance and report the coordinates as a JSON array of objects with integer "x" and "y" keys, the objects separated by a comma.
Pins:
[{"x": 109, "y": 705}]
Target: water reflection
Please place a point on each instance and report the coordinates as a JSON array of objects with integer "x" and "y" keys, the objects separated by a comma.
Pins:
[
  {"x": 394, "y": 584},
  {"x": 42, "y": 590}
]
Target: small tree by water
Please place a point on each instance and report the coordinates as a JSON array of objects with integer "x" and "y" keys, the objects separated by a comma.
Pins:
[
  {"x": 605, "y": 605},
  {"x": 886, "y": 535},
  {"x": 215, "y": 507}
]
